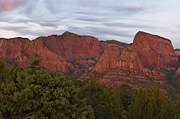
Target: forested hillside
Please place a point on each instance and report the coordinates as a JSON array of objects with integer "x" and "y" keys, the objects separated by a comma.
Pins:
[{"x": 35, "y": 92}]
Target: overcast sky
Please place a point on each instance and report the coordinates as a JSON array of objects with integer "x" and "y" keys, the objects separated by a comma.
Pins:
[{"x": 104, "y": 19}]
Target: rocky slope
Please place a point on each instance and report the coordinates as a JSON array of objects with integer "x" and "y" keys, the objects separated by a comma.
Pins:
[
  {"x": 149, "y": 59},
  {"x": 121, "y": 44}
]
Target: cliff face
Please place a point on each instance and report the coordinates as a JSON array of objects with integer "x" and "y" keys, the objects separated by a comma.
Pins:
[
  {"x": 12, "y": 50},
  {"x": 146, "y": 51},
  {"x": 72, "y": 46},
  {"x": 107, "y": 59},
  {"x": 71, "y": 52},
  {"x": 177, "y": 52},
  {"x": 58, "y": 53},
  {"x": 117, "y": 57},
  {"x": 128, "y": 60},
  {"x": 50, "y": 60},
  {"x": 149, "y": 59},
  {"x": 155, "y": 50}
]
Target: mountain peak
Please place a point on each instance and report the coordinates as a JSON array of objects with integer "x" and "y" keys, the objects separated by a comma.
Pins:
[
  {"x": 69, "y": 33},
  {"x": 155, "y": 50},
  {"x": 142, "y": 33}
]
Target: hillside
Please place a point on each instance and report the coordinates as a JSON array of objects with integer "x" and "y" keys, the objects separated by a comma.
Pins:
[
  {"x": 149, "y": 59},
  {"x": 122, "y": 44}
]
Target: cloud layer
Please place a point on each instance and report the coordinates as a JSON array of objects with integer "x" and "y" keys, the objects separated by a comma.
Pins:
[
  {"x": 104, "y": 19},
  {"x": 9, "y": 5}
]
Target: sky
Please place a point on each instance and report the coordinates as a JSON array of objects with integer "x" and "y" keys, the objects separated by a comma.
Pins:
[{"x": 103, "y": 19}]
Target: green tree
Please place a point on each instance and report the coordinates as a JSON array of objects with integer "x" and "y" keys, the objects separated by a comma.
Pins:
[
  {"x": 177, "y": 109},
  {"x": 118, "y": 110},
  {"x": 103, "y": 103},
  {"x": 3, "y": 71},
  {"x": 127, "y": 95},
  {"x": 38, "y": 93},
  {"x": 8, "y": 74},
  {"x": 78, "y": 83},
  {"x": 151, "y": 104},
  {"x": 13, "y": 70}
]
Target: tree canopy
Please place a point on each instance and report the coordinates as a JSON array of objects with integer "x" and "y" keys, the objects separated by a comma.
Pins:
[
  {"x": 39, "y": 93},
  {"x": 151, "y": 104},
  {"x": 104, "y": 103}
]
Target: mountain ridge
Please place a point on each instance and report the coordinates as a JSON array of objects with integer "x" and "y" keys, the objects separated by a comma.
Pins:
[
  {"x": 64, "y": 48},
  {"x": 149, "y": 59}
]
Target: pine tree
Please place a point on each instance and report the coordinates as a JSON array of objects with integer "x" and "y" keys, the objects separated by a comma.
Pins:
[
  {"x": 127, "y": 95},
  {"x": 118, "y": 109},
  {"x": 103, "y": 103},
  {"x": 38, "y": 93},
  {"x": 151, "y": 104},
  {"x": 177, "y": 109},
  {"x": 3, "y": 71}
]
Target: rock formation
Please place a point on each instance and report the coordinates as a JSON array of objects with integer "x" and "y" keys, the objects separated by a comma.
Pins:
[
  {"x": 72, "y": 46},
  {"x": 13, "y": 50},
  {"x": 57, "y": 52},
  {"x": 149, "y": 59},
  {"x": 155, "y": 50},
  {"x": 107, "y": 58},
  {"x": 69, "y": 51},
  {"x": 146, "y": 51},
  {"x": 177, "y": 51}
]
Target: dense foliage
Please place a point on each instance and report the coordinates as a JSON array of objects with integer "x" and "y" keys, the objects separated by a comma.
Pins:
[
  {"x": 36, "y": 93},
  {"x": 152, "y": 104},
  {"x": 104, "y": 103}
]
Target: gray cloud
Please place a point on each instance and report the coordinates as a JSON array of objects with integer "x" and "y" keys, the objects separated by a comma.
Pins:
[
  {"x": 127, "y": 9},
  {"x": 101, "y": 32},
  {"x": 105, "y": 19},
  {"x": 127, "y": 25}
]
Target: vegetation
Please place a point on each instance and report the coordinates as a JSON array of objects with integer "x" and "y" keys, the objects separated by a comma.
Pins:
[
  {"x": 122, "y": 44},
  {"x": 151, "y": 104},
  {"x": 36, "y": 93},
  {"x": 104, "y": 101}
]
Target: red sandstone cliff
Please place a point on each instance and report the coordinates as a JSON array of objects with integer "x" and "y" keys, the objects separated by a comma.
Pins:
[
  {"x": 57, "y": 52},
  {"x": 155, "y": 50},
  {"x": 146, "y": 51},
  {"x": 150, "y": 59},
  {"x": 107, "y": 58},
  {"x": 73, "y": 52},
  {"x": 177, "y": 52},
  {"x": 139, "y": 64},
  {"x": 13, "y": 50},
  {"x": 72, "y": 46}
]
